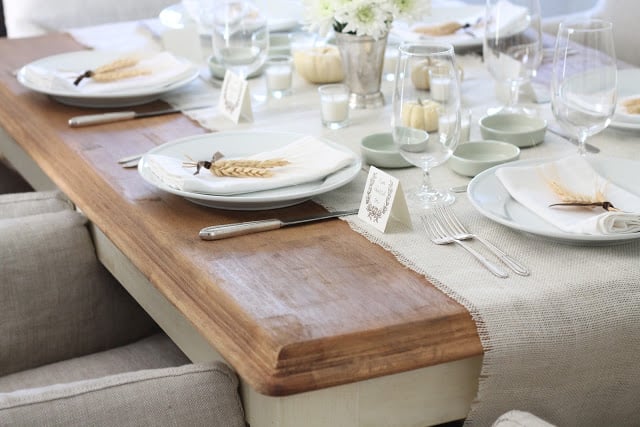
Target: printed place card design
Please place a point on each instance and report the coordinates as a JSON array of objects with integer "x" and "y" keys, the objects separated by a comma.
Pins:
[
  {"x": 235, "y": 99},
  {"x": 382, "y": 200}
]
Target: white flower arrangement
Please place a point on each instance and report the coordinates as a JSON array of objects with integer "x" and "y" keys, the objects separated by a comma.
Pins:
[{"x": 361, "y": 17}]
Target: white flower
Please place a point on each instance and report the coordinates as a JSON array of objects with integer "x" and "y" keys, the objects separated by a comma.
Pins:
[{"x": 361, "y": 17}]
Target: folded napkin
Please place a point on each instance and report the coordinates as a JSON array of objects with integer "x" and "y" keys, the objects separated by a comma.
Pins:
[
  {"x": 310, "y": 160},
  {"x": 164, "y": 68},
  {"x": 530, "y": 186}
]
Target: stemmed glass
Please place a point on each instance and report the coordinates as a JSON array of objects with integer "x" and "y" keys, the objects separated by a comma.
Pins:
[
  {"x": 512, "y": 46},
  {"x": 426, "y": 113},
  {"x": 584, "y": 80},
  {"x": 240, "y": 35}
]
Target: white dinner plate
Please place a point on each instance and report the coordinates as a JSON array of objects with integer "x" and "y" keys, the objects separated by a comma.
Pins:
[
  {"x": 628, "y": 85},
  {"x": 86, "y": 60},
  {"x": 282, "y": 15},
  {"x": 241, "y": 144},
  {"x": 491, "y": 199},
  {"x": 442, "y": 14}
]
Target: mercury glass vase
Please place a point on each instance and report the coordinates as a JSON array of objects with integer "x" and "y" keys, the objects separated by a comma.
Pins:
[{"x": 362, "y": 61}]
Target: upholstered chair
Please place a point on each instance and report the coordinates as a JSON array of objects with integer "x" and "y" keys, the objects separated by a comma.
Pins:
[{"x": 75, "y": 348}]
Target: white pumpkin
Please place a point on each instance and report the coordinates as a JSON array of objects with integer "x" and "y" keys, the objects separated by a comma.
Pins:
[
  {"x": 319, "y": 64},
  {"x": 420, "y": 74},
  {"x": 421, "y": 115}
]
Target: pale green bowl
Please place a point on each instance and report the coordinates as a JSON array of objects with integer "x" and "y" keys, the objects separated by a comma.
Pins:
[
  {"x": 379, "y": 150},
  {"x": 520, "y": 130},
  {"x": 471, "y": 158}
]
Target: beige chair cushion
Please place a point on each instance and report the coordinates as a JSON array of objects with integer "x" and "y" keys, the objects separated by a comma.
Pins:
[
  {"x": 189, "y": 395},
  {"x": 32, "y": 203},
  {"x": 56, "y": 293}
]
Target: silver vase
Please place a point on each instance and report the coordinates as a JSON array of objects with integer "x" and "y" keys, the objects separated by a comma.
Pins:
[{"x": 362, "y": 60}]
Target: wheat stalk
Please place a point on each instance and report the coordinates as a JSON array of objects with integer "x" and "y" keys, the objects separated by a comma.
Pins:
[
  {"x": 120, "y": 74},
  {"x": 241, "y": 172},
  {"x": 118, "y": 64},
  {"x": 269, "y": 163},
  {"x": 571, "y": 198},
  {"x": 632, "y": 105},
  {"x": 444, "y": 29}
]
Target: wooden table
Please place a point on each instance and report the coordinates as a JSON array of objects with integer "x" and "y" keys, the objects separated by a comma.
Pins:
[{"x": 322, "y": 326}]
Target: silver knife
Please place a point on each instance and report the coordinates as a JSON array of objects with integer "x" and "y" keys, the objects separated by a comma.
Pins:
[
  {"x": 216, "y": 232},
  {"x": 117, "y": 116},
  {"x": 590, "y": 148}
]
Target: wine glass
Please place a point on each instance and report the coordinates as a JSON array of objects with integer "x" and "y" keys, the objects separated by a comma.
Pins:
[
  {"x": 240, "y": 35},
  {"x": 584, "y": 80},
  {"x": 512, "y": 46},
  {"x": 426, "y": 113}
]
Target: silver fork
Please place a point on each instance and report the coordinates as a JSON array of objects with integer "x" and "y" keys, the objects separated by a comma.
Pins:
[
  {"x": 459, "y": 232},
  {"x": 438, "y": 235}
]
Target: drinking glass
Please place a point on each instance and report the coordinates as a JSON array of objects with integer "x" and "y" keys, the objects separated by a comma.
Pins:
[
  {"x": 240, "y": 36},
  {"x": 512, "y": 46},
  {"x": 426, "y": 114},
  {"x": 584, "y": 80}
]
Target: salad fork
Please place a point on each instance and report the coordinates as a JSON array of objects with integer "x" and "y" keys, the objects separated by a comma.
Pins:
[
  {"x": 459, "y": 232},
  {"x": 438, "y": 235}
]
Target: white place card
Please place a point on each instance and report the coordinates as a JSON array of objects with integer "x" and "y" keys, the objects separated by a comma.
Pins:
[
  {"x": 235, "y": 99},
  {"x": 383, "y": 200}
]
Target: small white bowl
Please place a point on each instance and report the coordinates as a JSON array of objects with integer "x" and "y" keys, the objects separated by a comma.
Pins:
[
  {"x": 471, "y": 158},
  {"x": 518, "y": 129},
  {"x": 379, "y": 150}
]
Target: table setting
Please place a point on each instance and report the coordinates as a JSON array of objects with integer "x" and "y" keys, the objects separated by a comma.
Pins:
[{"x": 557, "y": 289}]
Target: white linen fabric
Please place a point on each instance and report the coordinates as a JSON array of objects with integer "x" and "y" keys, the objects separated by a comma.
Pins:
[
  {"x": 164, "y": 69},
  {"x": 310, "y": 159},
  {"x": 532, "y": 187},
  {"x": 562, "y": 343}
]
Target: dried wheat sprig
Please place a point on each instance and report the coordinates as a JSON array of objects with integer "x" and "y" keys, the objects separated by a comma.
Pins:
[
  {"x": 241, "y": 172},
  {"x": 269, "y": 163},
  {"x": 444, "y": 29},
  {"x": 111, "y": 67},
  {"x": 120, "y": 74},
  {"x": 571, "y": 198},
  {"x": 632, "y": 105}
]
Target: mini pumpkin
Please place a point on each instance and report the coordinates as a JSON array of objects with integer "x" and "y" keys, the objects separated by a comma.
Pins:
[
  {"x": 421, "y": 115},
  {"x": 319, "y": 64},
  {"x": 420, "y": 73}
]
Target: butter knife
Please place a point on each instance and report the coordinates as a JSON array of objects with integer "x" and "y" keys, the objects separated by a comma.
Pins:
[
  {"x": 117, "y": 116},
  {"x": 216, "y": 232}
]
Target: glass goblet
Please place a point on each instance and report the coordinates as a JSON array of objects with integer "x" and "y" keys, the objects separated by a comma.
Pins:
[
  {"x": 426, "y": 113},
  {"x": 240, "y": 35},
  {"x": 512, "y": 46},
  {"x": 584, "y": 79}
]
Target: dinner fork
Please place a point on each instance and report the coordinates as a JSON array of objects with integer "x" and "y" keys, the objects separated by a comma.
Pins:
[
  {"x": 458, "y": 231},
  {"x": 438, "y": 235}
]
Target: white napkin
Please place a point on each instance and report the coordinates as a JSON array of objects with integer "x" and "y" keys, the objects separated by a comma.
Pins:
[
  {"x": 310, "y": 160},
  {"x": 165, "y": 70},
  {"x": 529, "y": 186}
]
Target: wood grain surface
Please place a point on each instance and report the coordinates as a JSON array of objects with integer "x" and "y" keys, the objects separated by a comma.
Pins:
[{"x": 295, "y": 310}]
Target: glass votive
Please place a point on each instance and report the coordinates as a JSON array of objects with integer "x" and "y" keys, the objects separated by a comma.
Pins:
[
  {"x": 334, "y": 105},
  {"x": 439, "y": 83},
  {"x": 279, "y": 72}
]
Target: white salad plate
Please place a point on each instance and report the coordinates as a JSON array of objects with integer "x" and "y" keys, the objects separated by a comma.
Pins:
[
  {"x": 282, "y": 15},
  {"x": 628, "y": 85},
  {"x": 86, "y": 60},
  {"x": 491, "y": 199},
  {"x": 242, "y": 144}
]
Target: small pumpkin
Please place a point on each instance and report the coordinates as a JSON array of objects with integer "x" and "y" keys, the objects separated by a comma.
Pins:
[
  {"x": 321, "y": 64},
  {"x": 420, "y": 73},
  {"x": 421, "y": 115}
]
